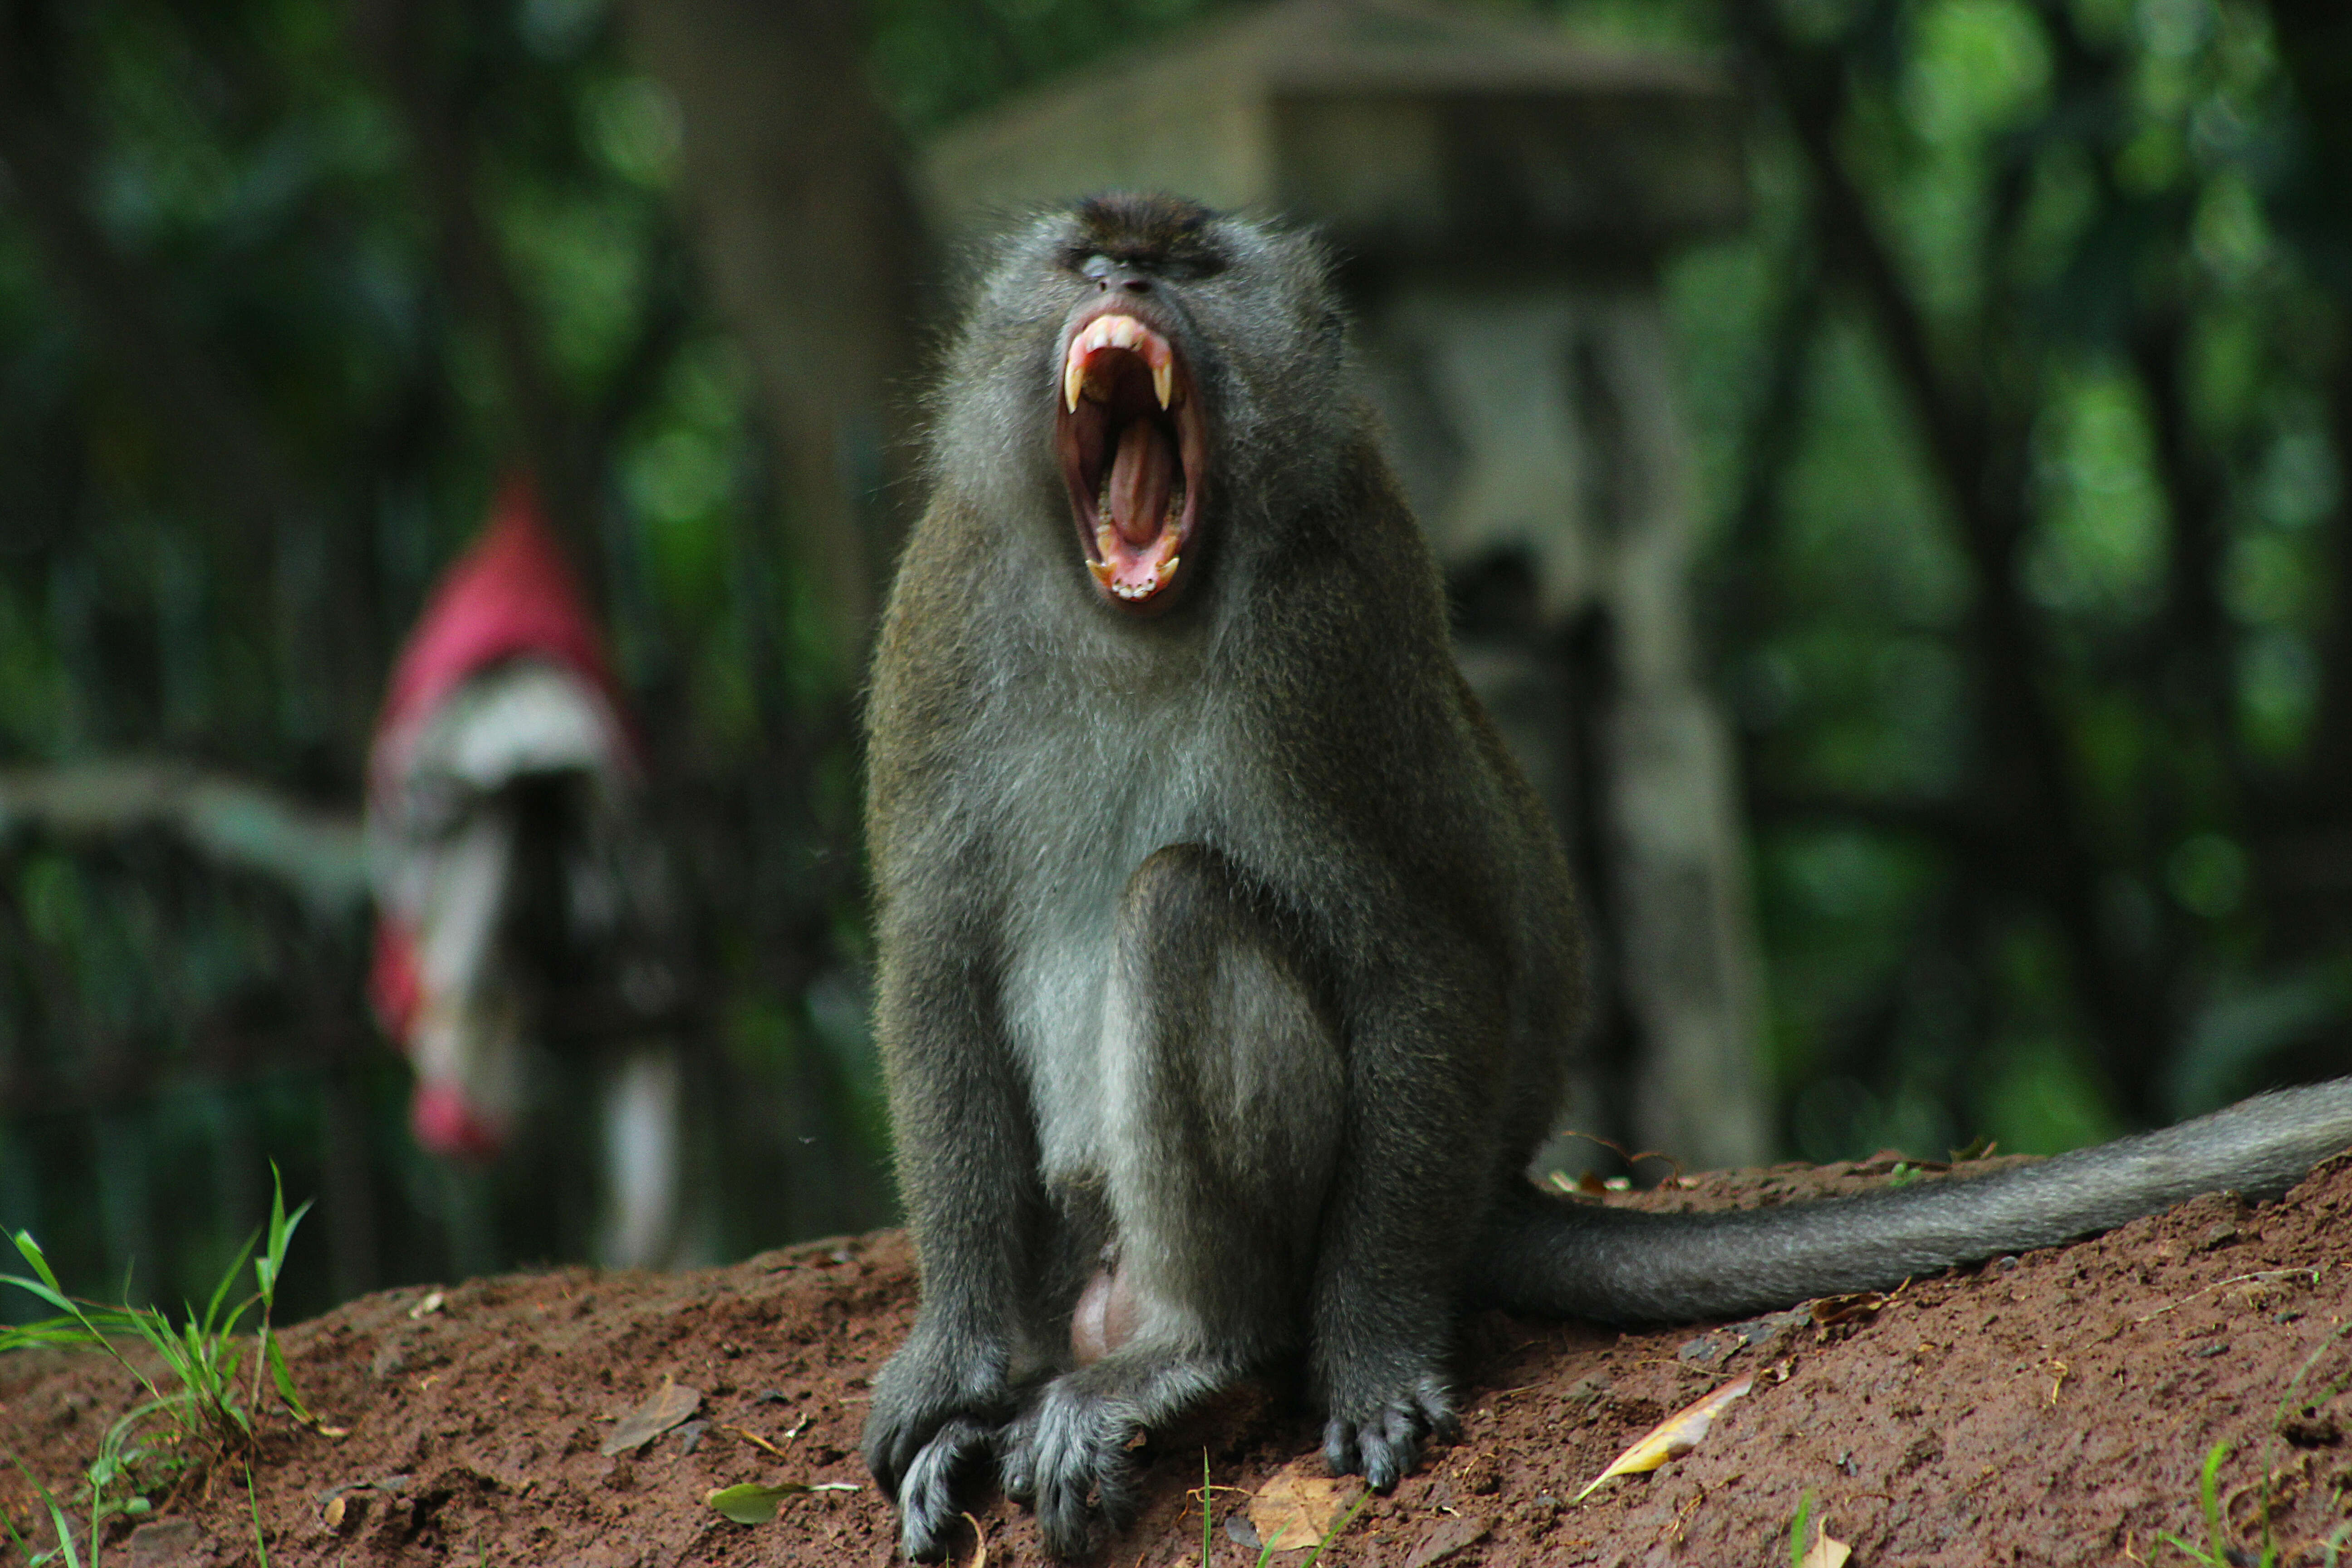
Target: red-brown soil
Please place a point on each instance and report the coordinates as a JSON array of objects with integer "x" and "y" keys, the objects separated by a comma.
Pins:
[{"x": 2054, "y": 1408}]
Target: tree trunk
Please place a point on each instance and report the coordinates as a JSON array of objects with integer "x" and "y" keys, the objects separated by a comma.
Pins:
[{"x": 796, "y": 189}]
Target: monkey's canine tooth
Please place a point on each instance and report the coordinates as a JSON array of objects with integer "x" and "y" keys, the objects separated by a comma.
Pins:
[
  {"x": 1074, "y": 376},
  {"x": 1163, "y": 380}
]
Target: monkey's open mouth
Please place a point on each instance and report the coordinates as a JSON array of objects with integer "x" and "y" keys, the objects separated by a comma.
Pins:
[{"x": 1132, "y": 440}]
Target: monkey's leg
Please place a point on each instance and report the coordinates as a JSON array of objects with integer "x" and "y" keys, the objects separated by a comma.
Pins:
[
  {"x": 1226, "y": 1094},
  {"x": 1426, "y": 1023},
  {"x": 967, "y": 1170}
]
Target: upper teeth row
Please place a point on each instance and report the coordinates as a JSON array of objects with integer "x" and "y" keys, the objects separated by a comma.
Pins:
[{"x": 1118, "y": 332}]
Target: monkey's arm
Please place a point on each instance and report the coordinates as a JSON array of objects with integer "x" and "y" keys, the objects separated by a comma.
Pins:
[
  {"x": 967, "y": 1172},
  {"x": 1545, "y": 1257}
]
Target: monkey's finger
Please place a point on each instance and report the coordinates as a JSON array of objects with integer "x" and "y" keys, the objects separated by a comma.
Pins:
[
  {"x": 1016, "y": 1458},
  {"x": 1389, "y": 1458},
  {"x": 1438, "y": 1411},
  {"x": 1339, "y": 1447},
  {"x": 1385, "y": 1446}
]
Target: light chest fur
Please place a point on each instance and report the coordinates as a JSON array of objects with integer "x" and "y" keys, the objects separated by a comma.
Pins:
[{"x": 1089, "y": 777}]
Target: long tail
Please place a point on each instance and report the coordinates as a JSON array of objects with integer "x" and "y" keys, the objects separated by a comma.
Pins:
[{"x": 1543, "y": 1257}]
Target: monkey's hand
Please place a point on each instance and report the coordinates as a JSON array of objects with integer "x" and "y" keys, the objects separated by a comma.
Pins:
[
  {"x": 1386, "y": 1396},
  {"x": 934, "y": 1416}
]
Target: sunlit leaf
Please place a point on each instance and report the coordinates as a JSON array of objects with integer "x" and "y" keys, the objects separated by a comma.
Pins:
[
  {"x": 1676, "y": 1436},
  {"x": 753, "y": 1503},
  {"x": 1298, "y": 1507}
]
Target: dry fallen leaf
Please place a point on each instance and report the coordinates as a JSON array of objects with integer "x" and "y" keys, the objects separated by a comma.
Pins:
[
  {"x": 432, "y": 1303},
  {"x": 1824, "y": 1552},
  {"x": 663, "y": 1408},
  {"x": 758, "y": 1441},
  {"x": 1676, "y": 1436},
  {"x": 1860, "y": 1306},
  {"x": 1298, "y": 1507},
  {"x": 980, "y": 1552}
]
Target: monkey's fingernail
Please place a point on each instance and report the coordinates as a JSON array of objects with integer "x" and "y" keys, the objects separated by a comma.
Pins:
[{"x": 1163, "y": 380}]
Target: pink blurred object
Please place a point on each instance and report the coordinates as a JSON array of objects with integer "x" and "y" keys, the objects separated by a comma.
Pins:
[
  {"x": 444, "y": 1123},
  {"x": 503, "y": 676},
  {"x": 512, "y": 593}
]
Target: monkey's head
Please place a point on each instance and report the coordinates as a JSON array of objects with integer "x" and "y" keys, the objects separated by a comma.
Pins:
[{"x": 1172, "y": 370}]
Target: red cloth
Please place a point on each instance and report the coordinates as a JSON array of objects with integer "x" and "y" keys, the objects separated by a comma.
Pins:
[{"x": 511, "y": 594}]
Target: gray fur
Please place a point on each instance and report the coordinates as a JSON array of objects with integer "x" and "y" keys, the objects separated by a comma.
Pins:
[
  {"x": 1625, "y": 1267},
  {"x": 1229, "y": 939}
]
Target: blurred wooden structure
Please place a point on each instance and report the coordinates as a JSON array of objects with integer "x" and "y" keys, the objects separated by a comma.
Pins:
[{"x": 1501, "y": 198}]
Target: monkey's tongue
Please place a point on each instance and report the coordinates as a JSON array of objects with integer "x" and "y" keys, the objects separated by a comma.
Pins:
[{"x": 1141, "y": 475}]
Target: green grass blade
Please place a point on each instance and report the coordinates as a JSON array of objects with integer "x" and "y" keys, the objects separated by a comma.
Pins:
[
  {"x": 1798, "y": 1530},
  {"x": 1204, "y": 1508},
  {"x": 261, "y": 1547},
  {"x": 57, "y": 1522},
  {"x": 32, "y": 1254},
  {"x": 2208, "y": 1489},
  {"x": 284, "y": 1379},
  {"x": 62, "y": 1332},
  {"x": 25, "y": 1547},
  {"x": 270, "y": 1267},
  {"x": 1346, "y": 1520},
  {"x": 48, "y": 1289},
  {"x": 65, "y": 1534},
  {"x": 221, "y": 1290}
]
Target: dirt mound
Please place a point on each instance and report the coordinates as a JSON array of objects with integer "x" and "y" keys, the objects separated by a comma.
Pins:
[{"x": 2052, "y": 1408}]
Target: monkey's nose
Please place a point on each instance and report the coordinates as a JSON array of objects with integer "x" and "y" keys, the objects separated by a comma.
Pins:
[{"x": 1126, "y": 278}]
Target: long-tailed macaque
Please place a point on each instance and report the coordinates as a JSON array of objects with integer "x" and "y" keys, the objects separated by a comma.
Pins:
[{"x": 1228, "y": 966}]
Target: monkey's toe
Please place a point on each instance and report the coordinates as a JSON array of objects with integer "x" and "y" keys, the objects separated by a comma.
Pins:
[{"x": 1016, "y": 1458}]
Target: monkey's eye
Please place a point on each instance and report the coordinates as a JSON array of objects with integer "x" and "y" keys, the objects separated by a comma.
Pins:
[{"x": 1177, "y": 268}]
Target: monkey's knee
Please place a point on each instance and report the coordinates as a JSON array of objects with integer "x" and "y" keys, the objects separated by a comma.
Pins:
[
  {"x": 1179, "y": 908},
  {"x": 1217, "y": 1002},
  {"x": 1227, "y": 1108}
]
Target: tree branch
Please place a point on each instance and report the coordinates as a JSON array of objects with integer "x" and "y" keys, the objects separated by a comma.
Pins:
[{"x": 244, "y": 826}]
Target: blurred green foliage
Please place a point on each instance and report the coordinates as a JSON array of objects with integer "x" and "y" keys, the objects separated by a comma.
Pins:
[{"x": 2099, "y": 217}]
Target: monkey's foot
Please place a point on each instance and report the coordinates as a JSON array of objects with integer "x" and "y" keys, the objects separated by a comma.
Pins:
[
  {"x": 1383, "y": 1440},
  {"x": 1070, "y": 1456},
  {"x": 926, "y": 1494},
  {"x": 929, "y": 1431}
]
